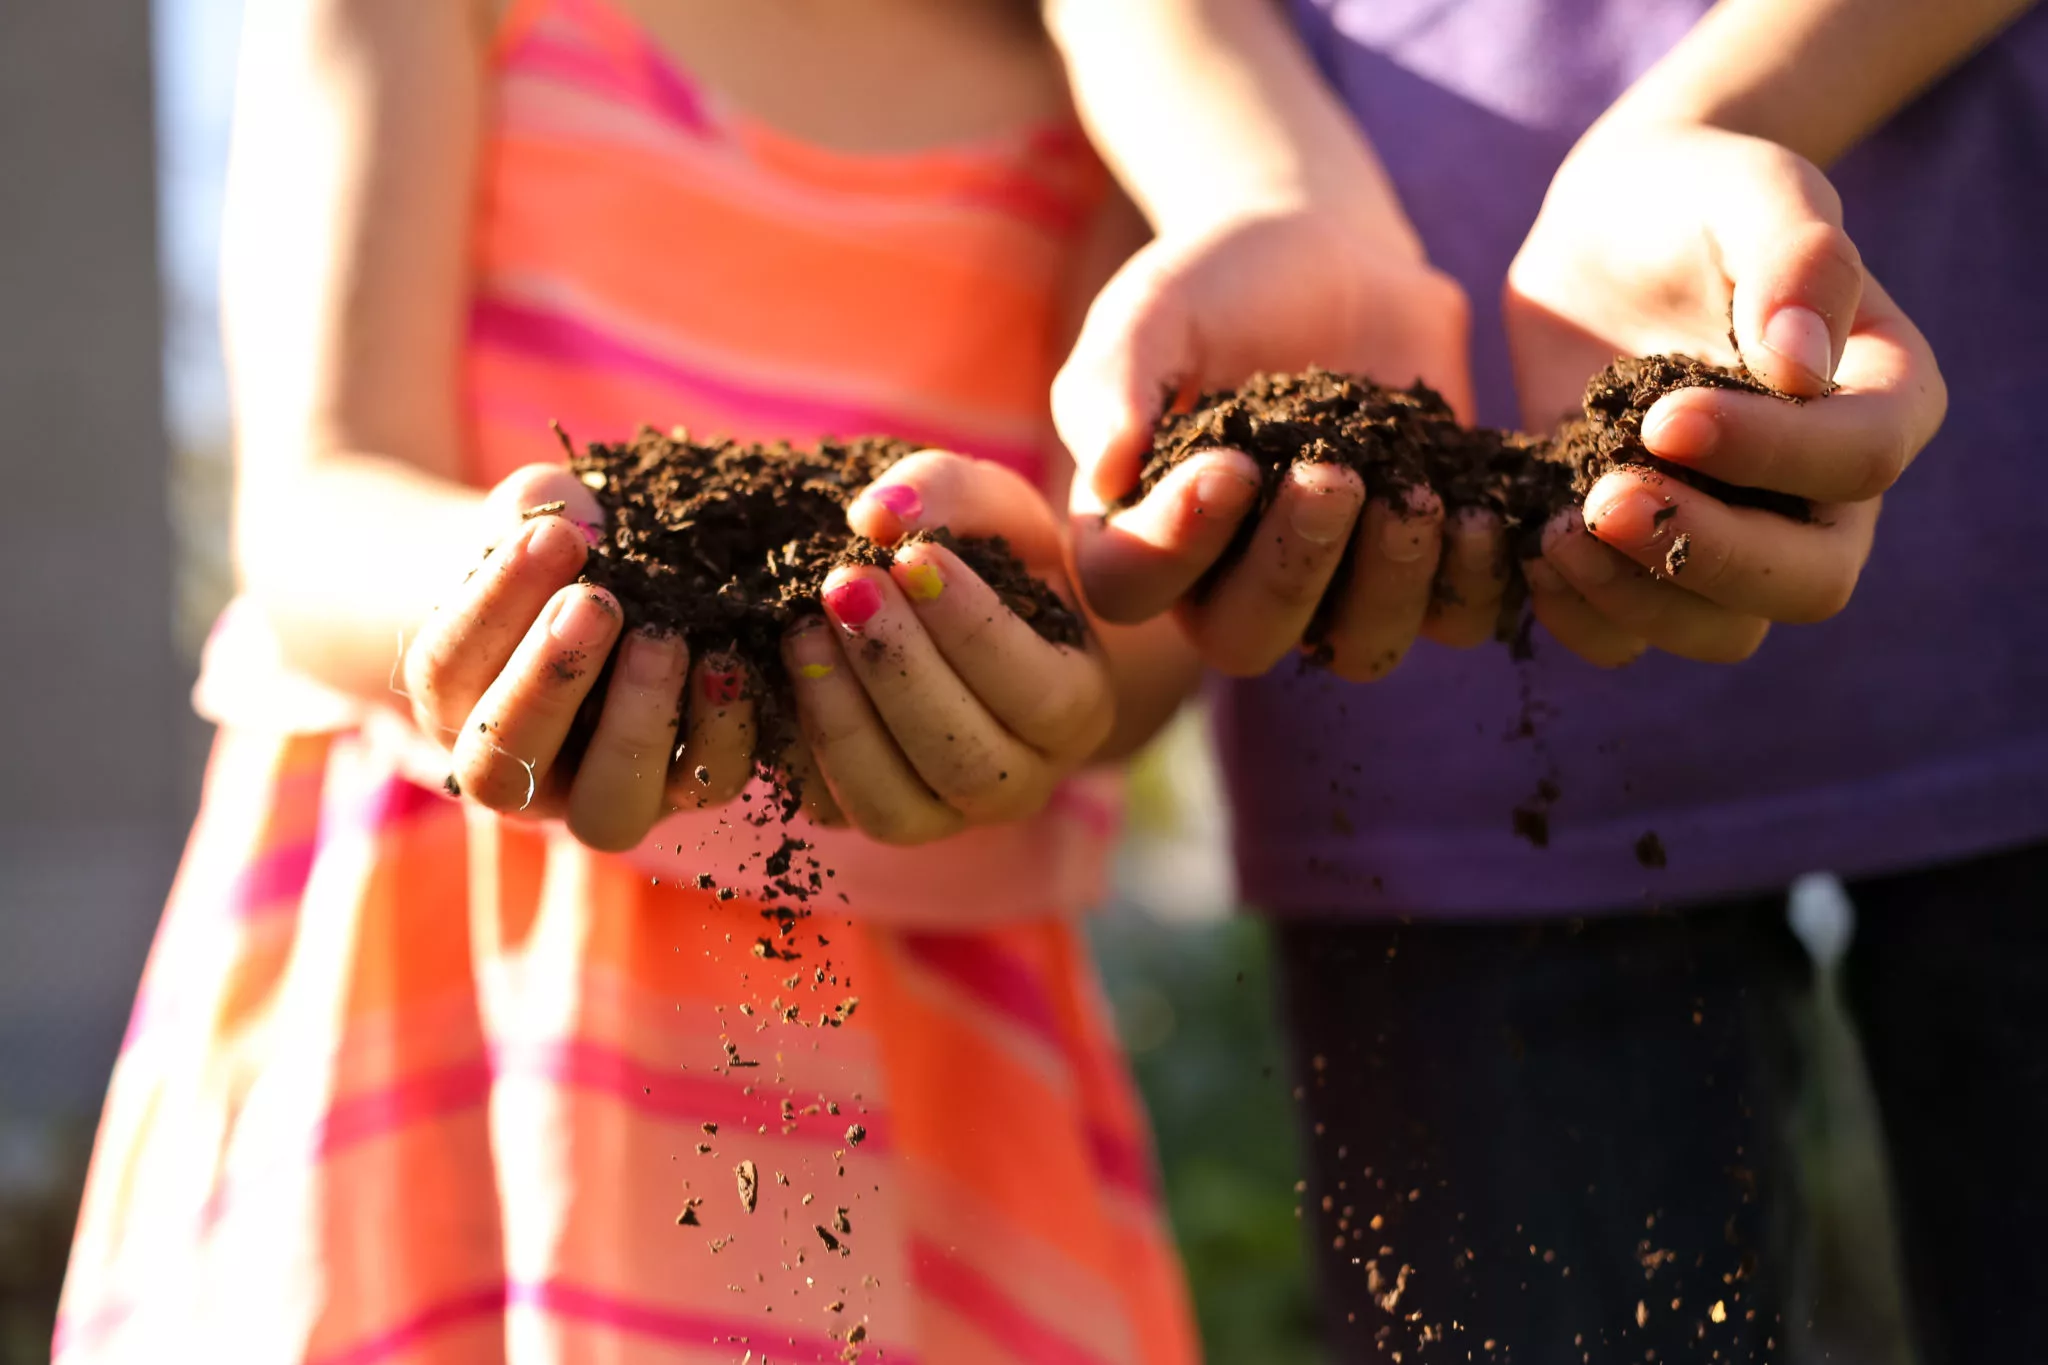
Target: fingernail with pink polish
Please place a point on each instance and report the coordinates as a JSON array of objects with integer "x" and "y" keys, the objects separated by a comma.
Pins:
[
  {"x": 853, "y": 602},
  {"x": 900, "y": 499},
  {"x": 593, "y": 534}
]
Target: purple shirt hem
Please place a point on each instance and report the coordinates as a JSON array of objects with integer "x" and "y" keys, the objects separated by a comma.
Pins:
[{"x": 1933, "y": 814}]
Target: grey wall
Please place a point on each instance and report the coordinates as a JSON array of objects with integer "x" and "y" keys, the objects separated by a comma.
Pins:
[{"x": 94, "y": 730}]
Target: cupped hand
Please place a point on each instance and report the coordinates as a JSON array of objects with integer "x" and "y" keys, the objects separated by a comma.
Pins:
[
  {"x": 1679, "y": 238},
  {"x": 498, "y": 673},
  {"x": 1274, "y": 292},
  {"x": 926, "y": 703}
]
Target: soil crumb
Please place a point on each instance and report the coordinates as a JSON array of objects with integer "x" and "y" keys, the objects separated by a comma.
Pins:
[{"x": 1650, "y": 851}]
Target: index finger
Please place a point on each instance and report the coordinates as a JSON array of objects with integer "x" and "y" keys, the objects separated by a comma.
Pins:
[{"x": 1135, "y": 564}]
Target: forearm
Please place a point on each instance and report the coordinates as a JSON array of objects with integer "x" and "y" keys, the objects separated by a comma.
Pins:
[
  {"x": 1815, "y": 76},
  {"x": 346, "y": 554},
  {"x": 1211, "y": 107}
]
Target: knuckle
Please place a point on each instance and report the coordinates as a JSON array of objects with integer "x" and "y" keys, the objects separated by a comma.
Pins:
[
  {"x": 1066, "y": 714},
  {"x": 831, "y": 727},
  {"x": 1881, "y": 467},
  {"x": 904, "y": 825},
  {"x": 635, "y": 747},
  {"x": 1830, "y": 247},
  {"x": 494, "y": 780},
  {"x": 1828, "y": 599},
  {"x": 978, "y": 776},
  {"x": 1722, "y": 641},
  {"x": 602, "y": 825},
  {"x": 1295, "y": 585},
  {"x": 1017, "y": 795}
]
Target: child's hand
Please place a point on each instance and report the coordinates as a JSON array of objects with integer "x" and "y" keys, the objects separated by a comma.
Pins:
[
  {"x": 1270, "y": 293},
  {"x": 926, "y": 703},
  {"x": 1648, "y": 239},
  {"x": 497, "y": 675}
]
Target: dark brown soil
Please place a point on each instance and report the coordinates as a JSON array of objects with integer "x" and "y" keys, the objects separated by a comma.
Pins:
[
  {"x": 1403, "y": 440},
  {"x": 729, "y": 545}
]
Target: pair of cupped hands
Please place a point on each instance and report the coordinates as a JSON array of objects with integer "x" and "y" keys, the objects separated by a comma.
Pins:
[{"x": 958, "y": 713}]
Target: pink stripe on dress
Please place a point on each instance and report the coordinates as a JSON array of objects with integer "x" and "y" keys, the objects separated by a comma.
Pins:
[
  {"x": 991, "y": 976},
  {"x": 982, "y": 1301}
]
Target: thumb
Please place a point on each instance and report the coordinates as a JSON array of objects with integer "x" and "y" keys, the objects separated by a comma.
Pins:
[
  {"x": 534, "y": 486},
  {"x": 1798, "y": 279},
  {"x": 972, "y": 498},
  {"x": 1134, "y": 349}
]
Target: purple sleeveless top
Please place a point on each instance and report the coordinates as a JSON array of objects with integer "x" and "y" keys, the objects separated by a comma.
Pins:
[{"x": 1911, "y": 729}]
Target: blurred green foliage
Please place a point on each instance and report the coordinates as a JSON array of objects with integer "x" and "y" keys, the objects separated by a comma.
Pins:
[{"x": 1195, "y": 1006}]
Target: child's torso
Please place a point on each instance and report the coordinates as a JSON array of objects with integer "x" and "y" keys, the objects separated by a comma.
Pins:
[{"x": 732, "y": 257}]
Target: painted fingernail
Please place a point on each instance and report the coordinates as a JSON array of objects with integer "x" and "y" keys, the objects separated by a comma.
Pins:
[
  {"x": 1679, "y": 431},
  {"x": 593, "y": 534},
  {"x": 814, "y": 671},
  {"x": 1799, "y": 337},
  {"x": 722, "y": 682},
  {"x": 1542, "y": 577},
  {"x": 649, "y": 657},
  {"x": 1322, "y": 516},
  {"x": 1403, "y": 540},
  {"x": 853, "y": 602},
  {"x": 922, "y": 582},
  {"x": 583, "y": 621},
  {"x": 899, "y": 498}
]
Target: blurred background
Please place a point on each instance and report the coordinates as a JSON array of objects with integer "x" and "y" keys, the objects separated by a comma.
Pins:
[{"x": 113, "y": 133}]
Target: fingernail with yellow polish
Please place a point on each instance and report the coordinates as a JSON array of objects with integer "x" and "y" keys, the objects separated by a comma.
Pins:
[
  {"x": 814, "y": 670},
  {"x": 923, "y": 582}
]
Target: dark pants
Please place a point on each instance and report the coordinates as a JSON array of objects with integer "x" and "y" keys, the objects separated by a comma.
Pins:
[{"x": 1573, "y": 1141}]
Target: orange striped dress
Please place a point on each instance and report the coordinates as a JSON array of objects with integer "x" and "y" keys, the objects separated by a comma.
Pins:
[{"x": 407, "y": 1082}]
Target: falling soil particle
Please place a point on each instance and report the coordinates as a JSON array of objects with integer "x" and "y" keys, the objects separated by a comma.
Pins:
[
  {"x": 688, "y": 1217},
  {"x": 1532, "y": 817},
  {"x": 749, "y": 1184},
  {"x": 855, "y": 1135},
  {"x": 1650, "y": 850}
]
